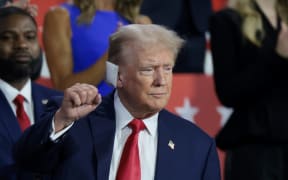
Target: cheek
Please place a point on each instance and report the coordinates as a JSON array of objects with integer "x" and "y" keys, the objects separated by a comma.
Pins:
[
  {"x": 5, "y": 51},
  {"x": 145, "y": 88},
  {"x": 140, "y": 83},
  {"x": 35, "y": 50},
  {"x": 170, "y": 82}
]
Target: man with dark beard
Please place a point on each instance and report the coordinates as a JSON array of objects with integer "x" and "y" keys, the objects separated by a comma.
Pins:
[
  {"x": 33, "y": 10},
  {"x": 19, "y": 54}
]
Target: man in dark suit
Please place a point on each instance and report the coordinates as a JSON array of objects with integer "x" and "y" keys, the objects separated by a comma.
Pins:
[
  {"x": 189, "y": 18},
  {"x": 77, "y": 141},
  {"x": 19, "y": 53},
  {"x": 33, "y": 10}
]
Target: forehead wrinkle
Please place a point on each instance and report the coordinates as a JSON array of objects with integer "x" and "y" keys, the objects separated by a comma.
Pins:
[{"x": 155, "y": 63}]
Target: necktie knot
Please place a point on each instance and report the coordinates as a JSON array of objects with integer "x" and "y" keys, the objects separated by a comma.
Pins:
[
  {"x": 137, "y": 125},
  {"x": 19, "y": 100}
]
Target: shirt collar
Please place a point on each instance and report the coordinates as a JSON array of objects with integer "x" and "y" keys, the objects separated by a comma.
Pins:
[
  {"x": 123, "y": 117},
  {"x": 10, "y": 92}
]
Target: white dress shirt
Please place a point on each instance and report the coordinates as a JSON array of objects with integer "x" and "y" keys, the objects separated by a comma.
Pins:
[
  {"x": 10, "y": 93},
  {"x": 147, "y": 142}
]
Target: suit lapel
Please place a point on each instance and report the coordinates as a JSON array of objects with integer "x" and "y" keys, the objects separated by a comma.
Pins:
[
  {"x": 103, "y": 132},
  {"x": 38, "y": 101},
  {"x": 8, "y": 119},
  {"x": 165, "y": 155}
]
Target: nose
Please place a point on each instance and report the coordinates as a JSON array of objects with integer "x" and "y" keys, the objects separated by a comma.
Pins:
[
  {"x": 20, "y": 43},
  {"x": 160, "y": 77}
]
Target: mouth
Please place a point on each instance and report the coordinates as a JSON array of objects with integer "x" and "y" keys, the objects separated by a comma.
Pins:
[
  {"x": 158, "y": 95},
  {"x": 22, "y": 58}
]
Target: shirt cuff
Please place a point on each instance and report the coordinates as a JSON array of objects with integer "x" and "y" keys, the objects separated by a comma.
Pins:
[{"x": 54, "y": 136}]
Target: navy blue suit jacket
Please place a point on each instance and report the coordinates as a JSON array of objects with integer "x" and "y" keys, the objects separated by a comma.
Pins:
[
  {"x": 10, "y": 130},
  {"x": 85, "y": 151}
]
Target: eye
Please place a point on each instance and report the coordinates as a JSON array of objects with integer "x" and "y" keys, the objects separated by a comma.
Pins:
[
  {"x": 147, "y": 71},
  {"x": 31, "y": 36},
  {"x": 6, "y": 37},
  {"x": 168, "y": 69}
]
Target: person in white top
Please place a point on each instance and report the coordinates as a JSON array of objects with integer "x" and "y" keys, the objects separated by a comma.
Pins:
[{"x": 83, "y": 135}]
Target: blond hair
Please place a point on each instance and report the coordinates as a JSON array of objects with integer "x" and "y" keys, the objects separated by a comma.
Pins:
[
  {"x": 127, "y": 8},
  {"x": 144, "y": 37},
  {"x": 252, "y": 25}
]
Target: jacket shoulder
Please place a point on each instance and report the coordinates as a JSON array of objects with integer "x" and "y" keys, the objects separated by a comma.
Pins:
[
  {"x": 43, "y": 89},
  {"x": 183, "y": 127}
]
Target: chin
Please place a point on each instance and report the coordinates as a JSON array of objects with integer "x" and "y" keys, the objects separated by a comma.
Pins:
[{"x": 157, "y": 108}]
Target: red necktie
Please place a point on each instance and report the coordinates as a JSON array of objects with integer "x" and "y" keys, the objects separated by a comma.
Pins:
[
  {"x": 129, "y": 167},
  {"x": 22, "y": 117}
]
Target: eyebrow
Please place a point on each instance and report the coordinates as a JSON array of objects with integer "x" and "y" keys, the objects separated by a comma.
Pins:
[{"x": 13, "y": 31}]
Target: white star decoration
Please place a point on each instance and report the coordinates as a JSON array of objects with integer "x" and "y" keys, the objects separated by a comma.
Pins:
[
  {"x": 187, "y": 111},
  {"x": 224, "y": 113}
]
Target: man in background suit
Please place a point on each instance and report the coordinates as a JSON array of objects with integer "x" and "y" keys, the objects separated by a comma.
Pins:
[
  {"x": 189, "y": 18},
  {"x": 33, "y": 10},
  {"x": 83, "y": 137},
  {"x": 19, "y": 53}
]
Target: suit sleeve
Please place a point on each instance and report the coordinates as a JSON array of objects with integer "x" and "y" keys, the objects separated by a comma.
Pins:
[{"x": 36, "y": 152}]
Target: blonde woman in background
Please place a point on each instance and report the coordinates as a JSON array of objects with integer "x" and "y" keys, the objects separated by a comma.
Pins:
[
  {"x": 250, "y": 56},
  {"x": 76, "y": 39}
]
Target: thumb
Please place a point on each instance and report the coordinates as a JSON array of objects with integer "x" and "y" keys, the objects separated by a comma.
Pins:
[{"x": 85, "y": 109}]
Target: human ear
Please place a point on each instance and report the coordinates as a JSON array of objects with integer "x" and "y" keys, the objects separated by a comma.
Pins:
[{"x": 120, "y": 80}]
